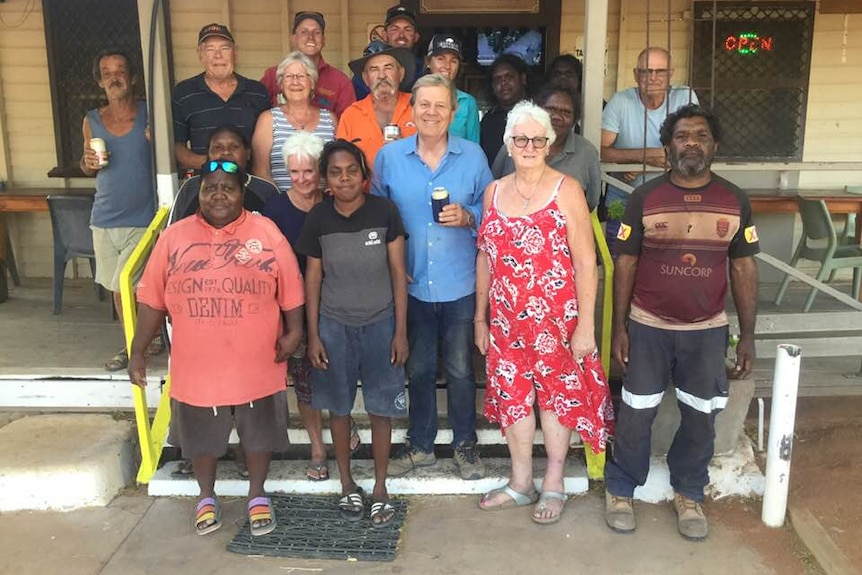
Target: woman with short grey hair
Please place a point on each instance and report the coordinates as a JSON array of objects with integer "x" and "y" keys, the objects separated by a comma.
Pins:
[
  {"x": 297, "y": 76},
  {"x": 536, "y": 284}
]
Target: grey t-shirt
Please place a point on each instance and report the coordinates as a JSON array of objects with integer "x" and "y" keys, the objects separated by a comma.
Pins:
[{"x": 357, "y": 284}]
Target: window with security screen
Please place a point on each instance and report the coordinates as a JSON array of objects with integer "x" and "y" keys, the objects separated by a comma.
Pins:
[
  {"x": 77, "y": 30},
  {"x": 750, "y": 65}
]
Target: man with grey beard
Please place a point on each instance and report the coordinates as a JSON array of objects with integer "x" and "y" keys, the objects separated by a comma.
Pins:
[
  {"x": 683, "y": 233},
  {"x": 385, "y": 115}
]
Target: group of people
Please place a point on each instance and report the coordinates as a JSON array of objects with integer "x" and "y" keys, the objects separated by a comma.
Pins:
[{"x": 377, "y": 239}]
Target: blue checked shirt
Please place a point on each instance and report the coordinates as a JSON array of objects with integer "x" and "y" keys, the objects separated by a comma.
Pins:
[{"x": 441, "y": 260}]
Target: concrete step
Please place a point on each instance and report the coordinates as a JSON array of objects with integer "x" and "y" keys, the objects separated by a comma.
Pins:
[
  {"x": 289, "y": 477},
  {"x": 64, "y": 461},
  {"x": 486, "y": 433}
]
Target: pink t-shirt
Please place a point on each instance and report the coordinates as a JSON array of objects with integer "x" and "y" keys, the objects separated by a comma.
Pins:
[{"x": 224, "y": 289}]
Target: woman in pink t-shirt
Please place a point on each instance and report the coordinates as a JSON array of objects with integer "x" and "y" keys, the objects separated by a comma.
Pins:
[{"x": 232, "y": 287}]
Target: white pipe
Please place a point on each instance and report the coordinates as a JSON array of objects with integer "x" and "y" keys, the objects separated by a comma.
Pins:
[
  {"x": 760, "y": 410},
  {"x": 782, "y": 418}
]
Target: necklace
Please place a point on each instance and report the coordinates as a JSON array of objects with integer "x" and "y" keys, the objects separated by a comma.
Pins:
[
  {"x": 296, "y": 123},
  {"x": 532, "y": 192}
]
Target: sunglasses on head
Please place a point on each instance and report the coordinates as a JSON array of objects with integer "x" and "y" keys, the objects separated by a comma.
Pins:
[{"x": 225, "y": 166}]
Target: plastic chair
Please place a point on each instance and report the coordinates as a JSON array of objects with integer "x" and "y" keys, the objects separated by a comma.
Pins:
[
  {"x": 70, "y": 224},
  {"x": 817, "y": 226}
]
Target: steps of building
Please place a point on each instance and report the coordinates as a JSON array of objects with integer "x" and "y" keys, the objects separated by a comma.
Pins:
[
  {"x": 64, "y": 461},
  {"x": 288, "y": 476}
]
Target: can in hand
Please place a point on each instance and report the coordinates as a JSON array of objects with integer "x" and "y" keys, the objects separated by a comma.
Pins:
[
  {"x": 391, "y": 132},
  {"x": 98, "y": 146},
  {"x": 439, "y": 200}
]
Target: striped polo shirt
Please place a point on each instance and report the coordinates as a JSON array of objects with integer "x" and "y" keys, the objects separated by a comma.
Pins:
[{"x": 198, "y": 111}]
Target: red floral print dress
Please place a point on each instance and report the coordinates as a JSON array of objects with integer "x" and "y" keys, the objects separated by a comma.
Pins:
[{"x": 534, "y": 311}]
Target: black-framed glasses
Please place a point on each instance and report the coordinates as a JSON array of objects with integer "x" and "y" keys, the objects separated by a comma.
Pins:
[
  {"x": 538, "y": 142},
  {"x": 225, "y": 166},
  {"x": 647, "y": 72}
]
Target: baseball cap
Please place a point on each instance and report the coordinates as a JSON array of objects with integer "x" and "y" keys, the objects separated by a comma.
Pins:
[
  {"x": 214, "y": 29},
  {"x": 444, "y": 43},
  {"x": 399, "y": 12},
  {"x": 305, "y": 15}
]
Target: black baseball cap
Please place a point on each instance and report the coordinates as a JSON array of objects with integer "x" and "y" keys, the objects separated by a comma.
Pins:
[
  {"x": 214, "y": 29},
  {"x": 444, "y": 43},
  {"x": 305, "y": 15},
  {"x": 399, "y": 12}
]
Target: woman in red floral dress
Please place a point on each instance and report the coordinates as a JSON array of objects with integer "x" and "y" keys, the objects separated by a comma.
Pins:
[{"x": 536, "y": 270}]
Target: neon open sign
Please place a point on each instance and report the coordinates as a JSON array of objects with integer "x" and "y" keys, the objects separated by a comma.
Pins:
[{"x": 748, "y": 43}]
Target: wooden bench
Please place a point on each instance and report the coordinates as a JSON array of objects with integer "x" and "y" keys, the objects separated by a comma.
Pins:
[{"x": 821, "y": 335}]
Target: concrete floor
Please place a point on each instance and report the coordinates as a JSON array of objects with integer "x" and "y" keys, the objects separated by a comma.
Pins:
[{"x": 141, "y": 535}]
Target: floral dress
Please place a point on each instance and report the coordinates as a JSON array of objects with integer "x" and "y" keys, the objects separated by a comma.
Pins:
[{"x": 534, "y": 311}]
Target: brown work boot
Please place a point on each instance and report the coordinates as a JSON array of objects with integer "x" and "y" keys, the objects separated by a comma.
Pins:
[
  {"x": 619, "y": 513},
  {"x": 691, "y": 520}
]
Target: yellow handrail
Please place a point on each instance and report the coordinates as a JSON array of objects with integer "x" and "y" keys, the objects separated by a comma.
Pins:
[
  {"x": 151, "y": 438},
  {"x": 596, "y": 461}
]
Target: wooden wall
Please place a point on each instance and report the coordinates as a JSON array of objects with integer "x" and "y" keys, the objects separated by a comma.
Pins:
[{"x": 262, "y": 30}]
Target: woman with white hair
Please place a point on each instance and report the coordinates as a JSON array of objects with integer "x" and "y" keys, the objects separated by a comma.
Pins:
[
  {"x": 300, "y": 153},
  {"x": 297, "y": 76},
  {"x": 536, "y": 284}
]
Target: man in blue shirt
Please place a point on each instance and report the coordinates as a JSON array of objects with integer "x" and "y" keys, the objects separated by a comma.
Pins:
[
  {"x": 631, "y": 122},
  {"x": 441, "y": 267}
]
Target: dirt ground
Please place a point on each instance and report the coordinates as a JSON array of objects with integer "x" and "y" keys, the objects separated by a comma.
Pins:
[{"x": 825, "y": 477}]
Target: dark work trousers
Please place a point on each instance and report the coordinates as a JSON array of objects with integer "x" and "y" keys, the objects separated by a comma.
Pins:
[{"x": 695, "y": 362}]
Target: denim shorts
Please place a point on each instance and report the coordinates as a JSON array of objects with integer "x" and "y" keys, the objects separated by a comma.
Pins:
[{"x": 354, "y": 353}]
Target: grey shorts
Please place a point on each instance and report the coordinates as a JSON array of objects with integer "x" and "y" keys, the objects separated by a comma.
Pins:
[
  {"x": 261, "y": 425},
  {"x": 113, "y": 246},
  {"x": 354, "y": 353}
]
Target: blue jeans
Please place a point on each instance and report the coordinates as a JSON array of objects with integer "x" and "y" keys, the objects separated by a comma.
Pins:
[{"x": 427, "y": 324}]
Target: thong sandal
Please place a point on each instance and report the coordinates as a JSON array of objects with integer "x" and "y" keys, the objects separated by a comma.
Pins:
[
  {"x": 542, "y": 506},
  {"x": 381, "y": 513},
  {"x": 184, "y": 469},
  {"x": 207, "y": 515},
  {"x": 352, "y": 505},
  {"x": 260, "y": 510},
  {"x": 317, "y": 471},
  {"x": 155, "y": 347},
  {"x": 118, "y": 362},
  {"x": 515, "y": 499},
  {"x": 355, "y": 440}
]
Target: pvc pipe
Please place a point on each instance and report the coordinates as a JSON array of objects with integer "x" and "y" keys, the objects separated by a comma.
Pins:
[
  {"x": 780, "y": 444},
  {"x": 760, "y": 410}
]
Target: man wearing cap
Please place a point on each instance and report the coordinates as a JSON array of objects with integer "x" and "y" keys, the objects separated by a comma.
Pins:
[
  {"x": 444, "y": 57},
  {"x": 400, "y": 31},
  {"x": 383, "y": 68},
  {"x": 441, "y": 260},
  {"x": 218, "y": 96},
  {"x": 333, "y": 90}
]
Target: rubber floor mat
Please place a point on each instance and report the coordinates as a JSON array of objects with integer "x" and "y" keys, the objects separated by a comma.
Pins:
[{"x": 310, "y": 527}]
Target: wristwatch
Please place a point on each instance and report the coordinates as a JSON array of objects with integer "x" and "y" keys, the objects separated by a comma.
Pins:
[{"x": 471, "y": 219}]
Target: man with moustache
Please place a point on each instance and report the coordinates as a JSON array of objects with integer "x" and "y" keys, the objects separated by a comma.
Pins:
[
  {"x": 683, "y": 233},
  {"x": 382, "y": 67},
  {"x": 631, "y": 121},
  {"x": 441, "y": 262},
  {"x": 400, "y": 31},
  {"x": 217, "y": 96},
  {"x": 125, "y": 198},
  {"x": 333, "y": 90}
]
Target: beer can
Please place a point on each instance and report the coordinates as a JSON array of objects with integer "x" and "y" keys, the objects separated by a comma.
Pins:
[
  {"x": 98, "y": 146},
  {"x": 439, "y": 200},
  {"x": 391, "y": 132}
]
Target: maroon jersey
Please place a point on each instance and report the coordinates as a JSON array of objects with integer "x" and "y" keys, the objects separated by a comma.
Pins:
[{"x": 684, "y": 237}]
